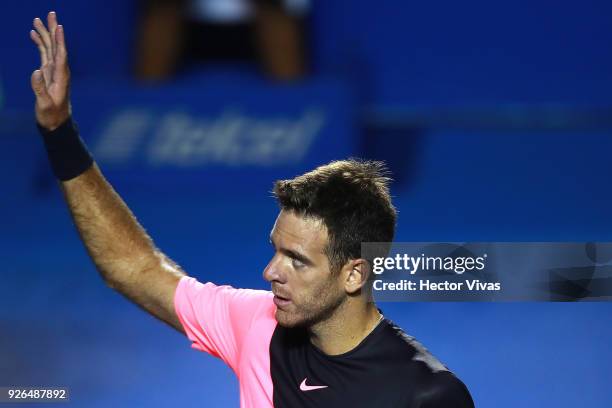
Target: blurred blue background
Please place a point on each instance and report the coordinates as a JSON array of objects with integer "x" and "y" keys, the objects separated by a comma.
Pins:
[{"x": 496, "y": 119}]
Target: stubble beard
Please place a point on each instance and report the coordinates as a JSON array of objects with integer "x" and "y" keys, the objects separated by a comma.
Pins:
[{"x": 319, "y": 308}]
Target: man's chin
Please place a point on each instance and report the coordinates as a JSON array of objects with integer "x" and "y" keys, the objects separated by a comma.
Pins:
[{"x": 289, "y": 320}]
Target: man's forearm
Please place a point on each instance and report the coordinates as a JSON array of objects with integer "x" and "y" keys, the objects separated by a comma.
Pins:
[
  {"x": 122, "y": 251},
  {"x": 118, "y": 245}
]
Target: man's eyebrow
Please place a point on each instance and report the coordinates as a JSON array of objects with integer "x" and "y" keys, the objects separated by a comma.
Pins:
[
  {"x": 296, "y": 255},
  {"x": 291, "y": 253}
]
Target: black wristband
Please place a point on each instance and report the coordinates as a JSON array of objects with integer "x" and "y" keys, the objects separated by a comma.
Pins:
[{"x": 67, "y": 153}]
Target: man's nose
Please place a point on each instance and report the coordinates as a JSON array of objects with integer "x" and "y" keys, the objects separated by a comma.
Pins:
[{"x": 273, "y": 272}]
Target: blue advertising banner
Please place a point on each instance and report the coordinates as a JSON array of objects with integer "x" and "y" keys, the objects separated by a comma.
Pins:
[{"x": 212, "y": 132}]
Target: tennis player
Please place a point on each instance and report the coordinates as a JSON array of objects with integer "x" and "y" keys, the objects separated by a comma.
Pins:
[{"x": 314, "y": 340}]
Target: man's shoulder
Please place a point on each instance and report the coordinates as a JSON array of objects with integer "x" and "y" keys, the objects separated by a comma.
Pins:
[
  {"x": 394, "y": 341},
  {"x": 189, "y": 283},
  {"x": 431, "y": 382},
  {"x": 208, "y": 297},
  {"x": 443, "y": 389}
]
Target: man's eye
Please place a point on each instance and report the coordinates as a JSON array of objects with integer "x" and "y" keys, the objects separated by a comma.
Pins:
[{"x": 297, "y": 264}]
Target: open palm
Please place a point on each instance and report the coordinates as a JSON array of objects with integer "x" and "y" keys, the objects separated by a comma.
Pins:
[{"x": 51, "y": 83}]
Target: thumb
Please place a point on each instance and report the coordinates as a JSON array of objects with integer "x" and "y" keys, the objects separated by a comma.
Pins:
[{"x": 39, "y": 87}]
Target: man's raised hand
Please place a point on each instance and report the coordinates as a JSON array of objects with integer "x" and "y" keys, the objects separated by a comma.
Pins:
[{"x": 51, "y": 82}]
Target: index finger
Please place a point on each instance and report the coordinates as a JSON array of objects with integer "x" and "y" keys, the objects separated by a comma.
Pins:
[
  {"x": 62, "y": 72},
  {"x": 62, "y": 54}
]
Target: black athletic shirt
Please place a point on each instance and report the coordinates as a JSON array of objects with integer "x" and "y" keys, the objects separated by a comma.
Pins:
[
  {"x": 387, "y": 369},
  {"x": 279, "y": 367}
]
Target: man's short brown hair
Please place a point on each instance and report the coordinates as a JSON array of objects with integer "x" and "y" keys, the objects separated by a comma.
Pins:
[{"x": 352, "y": 199}]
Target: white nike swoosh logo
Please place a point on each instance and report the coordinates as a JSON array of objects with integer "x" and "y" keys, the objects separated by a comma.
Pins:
[{"x": 305, "y": 387}]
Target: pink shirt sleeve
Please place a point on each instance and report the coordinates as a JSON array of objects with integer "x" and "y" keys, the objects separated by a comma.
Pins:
[{"x": 217, "y": 318}]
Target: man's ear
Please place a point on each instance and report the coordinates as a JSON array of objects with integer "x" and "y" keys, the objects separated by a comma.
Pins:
[{"x": 357, "y": 272}]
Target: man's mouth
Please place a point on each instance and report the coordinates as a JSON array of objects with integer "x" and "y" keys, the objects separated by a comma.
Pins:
[{"x": 281, "y": 301}]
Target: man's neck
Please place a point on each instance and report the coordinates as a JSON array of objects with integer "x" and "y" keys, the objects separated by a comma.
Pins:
[{"x": 346, "y": 328}]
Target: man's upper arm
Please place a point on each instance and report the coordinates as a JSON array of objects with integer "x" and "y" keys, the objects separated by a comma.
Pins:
[
  {"x": 153, "y": 288},
  {"x": 217, "y": 319}
]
